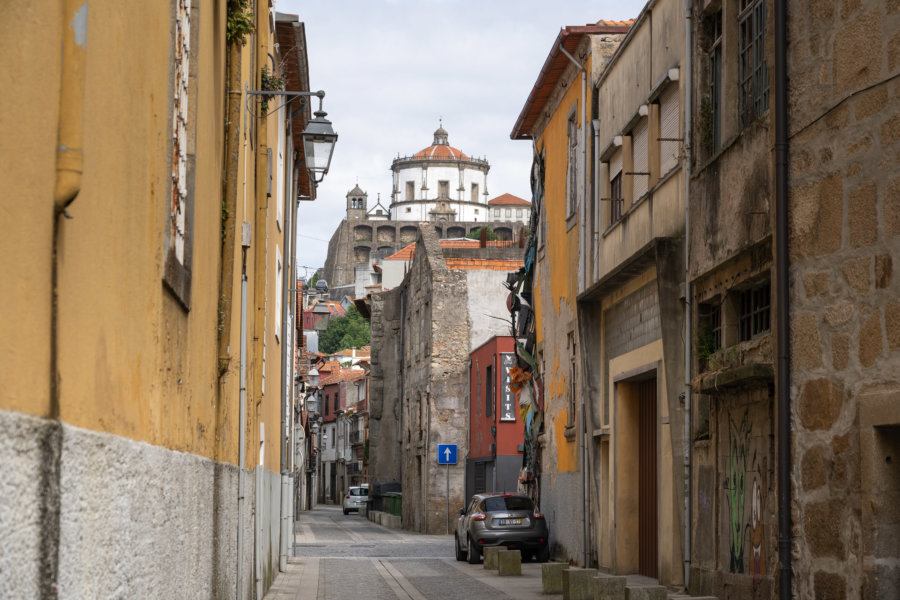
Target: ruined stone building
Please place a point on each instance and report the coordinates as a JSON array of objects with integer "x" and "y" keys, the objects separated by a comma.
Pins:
[
  {"x": 451, "y": 301},
  {"x": 439, "y": 184}
]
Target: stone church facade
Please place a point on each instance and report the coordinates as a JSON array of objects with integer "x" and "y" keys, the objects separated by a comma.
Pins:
[{"x": 440, "y": 185}]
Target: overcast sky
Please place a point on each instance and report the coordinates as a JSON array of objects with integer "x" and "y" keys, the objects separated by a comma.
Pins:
[{"x": 392, "y": 68}]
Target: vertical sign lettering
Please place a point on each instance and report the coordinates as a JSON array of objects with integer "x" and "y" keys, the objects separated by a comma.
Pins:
[{"x": 507, "y": 397}]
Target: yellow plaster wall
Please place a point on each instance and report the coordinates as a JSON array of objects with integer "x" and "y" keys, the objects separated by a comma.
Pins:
[
  {"x": 555, "y": 277},
  {"x": 28, "y": 130},
  {"x": 132, "y": 361}
]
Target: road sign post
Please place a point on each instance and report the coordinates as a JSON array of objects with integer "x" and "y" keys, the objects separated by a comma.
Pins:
[{"x": 447, "y": 456}]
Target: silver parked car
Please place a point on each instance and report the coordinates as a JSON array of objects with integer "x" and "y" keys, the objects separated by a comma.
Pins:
[
  {"x": 509, "y": 520},
  {"x": 356, "y": 497}
]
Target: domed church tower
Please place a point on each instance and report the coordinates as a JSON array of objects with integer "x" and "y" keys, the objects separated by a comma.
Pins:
[
  {"x": 439, "y": 184},
  {"x": 356, "y": 203}
]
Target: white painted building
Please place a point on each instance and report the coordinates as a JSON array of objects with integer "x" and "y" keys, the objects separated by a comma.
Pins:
[{"x": 440, "y": 183}]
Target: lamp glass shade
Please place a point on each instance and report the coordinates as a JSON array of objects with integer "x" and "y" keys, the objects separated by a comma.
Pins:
[
  {"x": 312, "y": 377},
  {"x": 318, "y": 145}
]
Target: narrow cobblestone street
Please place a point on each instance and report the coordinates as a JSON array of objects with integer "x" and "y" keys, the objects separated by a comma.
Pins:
[{"x": 340, "y": 557}]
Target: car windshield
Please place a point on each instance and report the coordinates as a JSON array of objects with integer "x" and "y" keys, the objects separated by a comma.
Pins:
[
  {"x": 501, "y": 503},
  {"x": 359, "y": 492}
]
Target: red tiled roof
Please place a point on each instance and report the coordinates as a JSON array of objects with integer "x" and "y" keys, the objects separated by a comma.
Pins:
[
  {"x": 441, "y": 151},
  {"x": 554, "y": 66},
  {"x": 484, "y": 264},
  {"x": 404, "y": 253},
  {"x": 344, "y": 375},
  {"x": 509, "y": 199}
]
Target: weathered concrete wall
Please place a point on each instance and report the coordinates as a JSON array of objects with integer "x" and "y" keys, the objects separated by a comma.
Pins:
[
  {"x": 486, "y": 306},
  {"x": 157, "y": 521},
  {"x": 844, "y": 206}
]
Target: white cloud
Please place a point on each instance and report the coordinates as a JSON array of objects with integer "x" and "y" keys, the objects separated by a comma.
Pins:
[{"x": 392, "y": 68}]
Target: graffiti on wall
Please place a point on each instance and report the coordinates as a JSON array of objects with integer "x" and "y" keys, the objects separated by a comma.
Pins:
[
  {"x": 735, "y": 478},
  {"x": 757, "y": 534},
  {"x": 745, "y": 469}
]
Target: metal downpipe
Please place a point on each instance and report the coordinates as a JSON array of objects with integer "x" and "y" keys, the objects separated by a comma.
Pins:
[
  {"x": 243, "y": 426},
  {"x": 688, "y": 293},
  {"x": 782, "y": 266}
]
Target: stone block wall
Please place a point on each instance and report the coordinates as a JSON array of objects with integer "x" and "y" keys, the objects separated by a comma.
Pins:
[{"x": 845, "y": 315}]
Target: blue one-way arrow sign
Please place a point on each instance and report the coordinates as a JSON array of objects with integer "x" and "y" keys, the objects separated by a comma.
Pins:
[{"x": 446, "y": 454}]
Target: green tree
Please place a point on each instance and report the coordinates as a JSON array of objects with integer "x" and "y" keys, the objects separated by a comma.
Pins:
[
  {"x": 475, "y": 234},
  {"x": 351, "y": 331}
]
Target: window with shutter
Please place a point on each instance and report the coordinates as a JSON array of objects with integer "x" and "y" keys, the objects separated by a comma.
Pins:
[{"x": 668, "y": 130}]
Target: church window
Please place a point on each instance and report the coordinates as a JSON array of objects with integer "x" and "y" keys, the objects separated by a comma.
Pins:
[
  {"x": 444, "y": 189},
  {"x": 508, "y": 212},
  {"x": 475, "y": 193},
  {"x": 519, "y": 213},
  {"x": 496, "y": 213},
  {"x": 476, "y": 211},
  {"x": 410, "y": 190}
]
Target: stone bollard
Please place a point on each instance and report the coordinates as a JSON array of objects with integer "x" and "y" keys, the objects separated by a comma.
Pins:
[
  {"x": 578, "y": 584},
  {"x": 646, "y": 592},
  {"x": 509, "y": 562},
  {"x": 552, "y": 577},
  {"x": 489, "y": 554},
  {"x": 610, "y": 587}
]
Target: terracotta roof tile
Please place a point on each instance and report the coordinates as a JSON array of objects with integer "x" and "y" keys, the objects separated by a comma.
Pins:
[
  {"x": 484, "y": 264},
  {"x": 509, "y": 199},
  {"x": 344, "y": 375},
  {"x": 441, "y": 151}
]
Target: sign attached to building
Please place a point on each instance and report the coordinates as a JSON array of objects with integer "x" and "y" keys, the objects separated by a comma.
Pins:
[
  {"x": 446, "y": 454},
  {"x": 507, "y": 397}
]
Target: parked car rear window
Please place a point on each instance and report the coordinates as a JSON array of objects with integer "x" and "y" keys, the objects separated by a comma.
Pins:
[
  {"x": 359, "y": 492},
  {"x": 499, "y": 503}
]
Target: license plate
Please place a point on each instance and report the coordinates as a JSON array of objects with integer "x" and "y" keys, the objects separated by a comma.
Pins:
[{"x": 510, "y": 522}]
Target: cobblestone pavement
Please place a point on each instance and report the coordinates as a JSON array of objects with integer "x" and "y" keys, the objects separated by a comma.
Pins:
[{"x": 339, "y": 557}]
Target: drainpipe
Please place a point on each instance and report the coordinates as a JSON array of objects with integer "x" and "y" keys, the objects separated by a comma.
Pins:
[
  {"x": 245, "y": 244},
  {"x": 782, "y": 265},
  {"x": 287, "y": 371},
  {"x": 581, "y": 276},
  {"x": 229, "y": 202},
  {"x": 69, "y": 157},
  {"x": 596, "y": 231},
  {"x": 688, "y": 313},
  {"x": 69, "y": 166}
]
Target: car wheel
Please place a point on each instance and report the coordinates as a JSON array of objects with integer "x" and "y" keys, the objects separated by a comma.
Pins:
[
  {"x": 346, "y": 512},
  {"x": 460, "y": 554},
  {"x": 473, "y": 553},
  {"x": 543, "y": 554}
]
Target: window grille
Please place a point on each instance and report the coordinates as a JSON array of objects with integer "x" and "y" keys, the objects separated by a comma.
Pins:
[
  {"x": 754, "y": 316},
  {"x": 616, "y": 202},
  {"x": 753, "y": 74}
]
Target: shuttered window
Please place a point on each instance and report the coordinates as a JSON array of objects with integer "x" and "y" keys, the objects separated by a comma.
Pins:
[
  {"x": 668, "y": 130},
  {"x": 615, "y": 188},
  {"x": 639, "y": 160}
]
